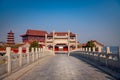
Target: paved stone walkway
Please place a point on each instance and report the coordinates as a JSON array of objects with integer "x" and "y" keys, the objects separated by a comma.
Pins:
[{"x": 63, "y": 67}]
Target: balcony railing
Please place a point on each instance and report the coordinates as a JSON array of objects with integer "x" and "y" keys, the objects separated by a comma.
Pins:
[
  {"x": 61, "y": 36},
  {"x": 72, "y": 40},
  {"x": 49, "y": 40}
]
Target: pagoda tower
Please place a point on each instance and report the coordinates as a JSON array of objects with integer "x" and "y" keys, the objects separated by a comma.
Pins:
[{"x": 10, "y": 38}]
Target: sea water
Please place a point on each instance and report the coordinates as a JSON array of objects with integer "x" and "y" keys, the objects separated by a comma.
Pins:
[{"x": 113, "y": 49}]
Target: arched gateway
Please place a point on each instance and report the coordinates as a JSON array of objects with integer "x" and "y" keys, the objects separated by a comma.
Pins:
[
  {"x": 61, "y": 41},
  {"x": 57, "y": 41},
  {"x": 61, "y": 47}
]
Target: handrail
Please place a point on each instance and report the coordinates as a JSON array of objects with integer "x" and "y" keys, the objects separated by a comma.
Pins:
[{"x": 17, "y": 60}]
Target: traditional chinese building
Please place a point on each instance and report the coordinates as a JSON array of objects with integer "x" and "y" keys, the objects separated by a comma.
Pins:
[
  {"x": 62, "y": 41},
  {"x": 10, "y": 38},
  {"x": 98, "y": 45},
  {"x": 58, "y": 41},
  {"x": 33, "y": 35}
]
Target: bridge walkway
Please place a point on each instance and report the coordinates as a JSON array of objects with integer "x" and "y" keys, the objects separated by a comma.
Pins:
[{"x": 63, "y": 67}]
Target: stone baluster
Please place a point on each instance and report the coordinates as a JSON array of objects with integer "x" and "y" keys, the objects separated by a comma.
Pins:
[
  {"x": 86, "y": 49},
  {"x": 33, "y": 54},
  {"x": 45, "y": 41},
  {"x": 36, "y": 53},
  {"x": 53, "y": 42},
  {"x": 93, "y": 49},
  {"x": 39, "y": 52},
  {"x": 89, "y": 49},
  {"x": 68, "y": 43},
  {"x": 76, "y": 42},
  {"x": 80, "y": 49},
  {"x": 83, "y": 49},
  {"x": 99, "y": 49},
  {"x": 8, "y": 49},
  {"x": 20, "y": 58},
  {"x": 28, "y": 55},
  {"x": 108, "y": 50},
  {"x": 43, "y": 52}
]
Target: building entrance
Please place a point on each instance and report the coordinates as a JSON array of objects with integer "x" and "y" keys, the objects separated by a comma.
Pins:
[{"x": 61, "y": 47}]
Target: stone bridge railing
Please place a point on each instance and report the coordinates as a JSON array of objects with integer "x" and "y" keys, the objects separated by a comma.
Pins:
[
  {"x": 109, "y": 60},
  {"x": 14, "y": 61}
]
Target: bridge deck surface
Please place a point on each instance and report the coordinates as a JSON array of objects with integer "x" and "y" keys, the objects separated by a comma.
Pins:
[{"x": 63, "y": 67}]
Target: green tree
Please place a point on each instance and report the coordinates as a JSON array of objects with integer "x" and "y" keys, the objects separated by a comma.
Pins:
[
  {"x": 34, "y": 44},
  {"x": 90, "y": 44}
]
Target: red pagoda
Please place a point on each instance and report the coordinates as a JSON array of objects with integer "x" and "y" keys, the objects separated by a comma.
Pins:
[{"x": 10, "y": 38}]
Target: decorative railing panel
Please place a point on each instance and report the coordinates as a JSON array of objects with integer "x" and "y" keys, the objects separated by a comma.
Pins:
[
  {"x": 109, "y": 60},
  {"x": 14, "y": 61}
]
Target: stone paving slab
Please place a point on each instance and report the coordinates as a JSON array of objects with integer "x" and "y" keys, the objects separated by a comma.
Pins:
[{"x": 63, "y": 67}]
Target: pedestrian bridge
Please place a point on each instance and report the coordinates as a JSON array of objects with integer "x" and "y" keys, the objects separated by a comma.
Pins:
[{"x": 43, "y": 64}]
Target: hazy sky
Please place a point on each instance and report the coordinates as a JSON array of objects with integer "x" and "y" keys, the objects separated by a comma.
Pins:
[{"x": 90, "y": 19}]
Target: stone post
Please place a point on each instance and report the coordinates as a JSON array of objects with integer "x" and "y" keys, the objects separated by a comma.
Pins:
[
  {"x": 53, "y": 42},
  {"x": 33, "y": 54},
  {"x": 41, "y": 50},
  {"x": 68, "y": 49},
  {"x": 76, "y": 42},
  {"x": 45, "y": 41},
  {"x": 93, "y": 49},
  {"x": 89, "y": 49},
  {"x": 99, "y": 49},
  {"x": 8, "y": 49},
  {"x": 36, "y": 53},
  {"x": 43, "y": 53},
  {"x": 68, "y": 43},
  {"x": 28, "y": 55},
  {"x": 80, "y": 49},
  {"x": 85, "y": 49},
  {"x": 20, "y": 58},
  {"x": 108, "y": 50}
]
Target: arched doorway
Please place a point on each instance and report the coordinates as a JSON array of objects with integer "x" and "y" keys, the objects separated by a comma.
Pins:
[
  {"x": 72, "y": 47},
  {"x": 61, "y": 47},
  {"x": 50, "y": 47},
  {"x": 65, "y": 48}
]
